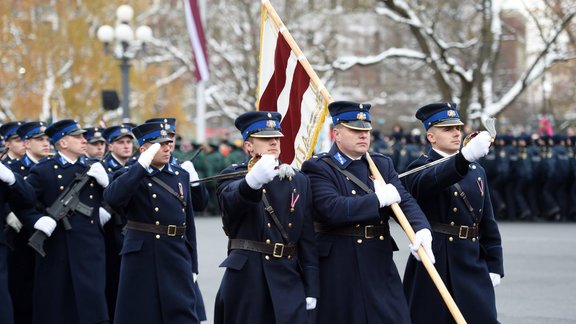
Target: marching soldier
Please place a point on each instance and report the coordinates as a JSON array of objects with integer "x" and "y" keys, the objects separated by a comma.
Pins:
[
  {"x": 359, "y": 282},
  {"x": 74, "y": 261},
  {"x": 159, "y": 253},
  {"x": 272, "y": 267},
  {"x": 13, "y": 143},
  {"x": 467, "y": 245},
  {"x": 96, "y": 147},
  {"x": 21, "y": 265}
]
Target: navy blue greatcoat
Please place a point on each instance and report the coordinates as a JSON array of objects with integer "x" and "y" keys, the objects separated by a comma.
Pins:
[
  {"x": 74, "y": 265},
  {"x": 359, "y": 282},
  {"x": 260, "y": 288},
  {"x": 156, "y": 284},
  {"x": 463, "y": 264},
  {"x": 19, "y": 195}
]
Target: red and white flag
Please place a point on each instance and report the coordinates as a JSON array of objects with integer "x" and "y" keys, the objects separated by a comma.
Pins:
[
  {"x": 196, "y": 34},
  {"x": 284, "y": 86}
]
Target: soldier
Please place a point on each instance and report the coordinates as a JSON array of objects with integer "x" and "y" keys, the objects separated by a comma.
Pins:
[
  {"x": 21, "y": 269},
  {"x": 12, "y": 142},
  {"x": 466, "y": 243},
  {"x": 359, "y": 282},
  {"x": 74, "y": 261},
  {"x": 272, "y": 267},
  {"x": 120, "y": 143},
  {"x": 96, "y": 147},
  {"x": 159, "y": 253}
]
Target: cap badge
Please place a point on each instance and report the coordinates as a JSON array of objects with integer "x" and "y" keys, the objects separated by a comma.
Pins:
[
  {"x": 42, "y": 128},
  {"x": 269, "y": 115},
  {"x": 361, "y": 116},
  {"x": 361, "y": 106},
  {"x": 97, "y": 134},
  {"x": 163, "y": 133},
  {"x": 451, "y": 113},
  {"x": 448, "y": 104},
  {"x": 123, "y": 130},
  {"x": 167, "y": 126},
  {"x": 271, "y": 123}
]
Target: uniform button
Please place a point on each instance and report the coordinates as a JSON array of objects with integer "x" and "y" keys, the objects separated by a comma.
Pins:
[
  {"x": 452, "y": 223},
  {"x": 479, "y": 178},
  {"x": 347, "y": 178},
  {"x": 480, "y": 210},
  {"x": 264, "y": 190},
  {"x": 183, "y": 210},
  {"x": 91, "y": 197},
  {"x": 269, "y": 225},
  {"x": 184, "y": 224},
  {"x": 473, "y": 239},
  {"x": 59, "y": 176},
  {"x": 91, "y": 221},
  {"x": 61, "y": 187},
  {"x": 359, "y": 241},
  {"x": 153, "y": 195},
  {"x": 55, "y": 167},
  {"x": 26, "y": 177},
  {"x": 157, "y": 236},
  {"x": 455, "y": 209},
  {"x": 289, "y": 257},
  {"x": 156, "y": 209},
  {"x": 473, "y": 167},
  {"x": 267, "y": 241},
  {"x": 149, "y": 184},
  {"x": 455, "y": 193},
  {"x": 267, "y": 257},
  {"x": 450, "y": 239},
  {"x": 22, "y": 168},
  {"x": 91, "y": 184},
  {"x": 381, "y": 237},
  {"x": 157, "y": 222},
  {"x": 357, "y": 225},
  {"x": 289, "y": 224},
  {"x": 381, "y": 222},
  {"x": 177, "y": 173},
  {"x": 353, "y": 192}
]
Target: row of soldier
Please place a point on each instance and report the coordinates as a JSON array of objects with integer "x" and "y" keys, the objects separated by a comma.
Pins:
[
  {"x": 532, "y": 177},
  {"x": 120, "y": 240}
]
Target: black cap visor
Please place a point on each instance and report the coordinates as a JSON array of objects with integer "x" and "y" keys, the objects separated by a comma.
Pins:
[
  {"x": 160, "y": 140},
  {"x": 267, "y": 133},
  {"x": 357, "y": 125},
  {"x": 448, "y": 122}
]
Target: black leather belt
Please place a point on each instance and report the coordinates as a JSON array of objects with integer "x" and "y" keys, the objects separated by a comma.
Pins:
[
  {"x": 170, "y": 230},
  {"x": 462, "y": 232},
  {"x": 365, "y": 231},
  {"x": 277, "y": 250}
]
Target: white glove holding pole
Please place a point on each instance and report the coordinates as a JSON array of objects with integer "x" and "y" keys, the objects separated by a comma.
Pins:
[
  {"x": 310, "y": 303},
  {"x": 104, "y": 216},
  {"x": 262, "y": 172},
  {"x": 478, "y": 147},
  {"x": 495, "y": 278},
  {"x": 98, "y": 172},
  {"x": 6, "y": 175},
  {"x": 189, "y": 167},
  {"x": 14, "y": 222},
  {"x": 45, "y": 224},
  {"x": 422, "y": 238},
  {"x": 387, "y": 194},
  {"x": 147, "y": 156}
]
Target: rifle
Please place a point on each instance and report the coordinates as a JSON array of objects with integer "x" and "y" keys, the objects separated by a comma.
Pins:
[{"x": 66, "y": 203}]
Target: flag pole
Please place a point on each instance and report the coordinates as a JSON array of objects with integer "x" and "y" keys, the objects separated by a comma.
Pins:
[{"x": 319, "y": 86}]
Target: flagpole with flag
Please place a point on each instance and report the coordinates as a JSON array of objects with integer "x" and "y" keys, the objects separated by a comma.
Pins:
[
  {"x": 195, "y": 28},
  {"x": 287, "y": 83}
]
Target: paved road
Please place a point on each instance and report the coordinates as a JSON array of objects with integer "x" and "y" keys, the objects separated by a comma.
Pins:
[{"x": 540, "y": 265}]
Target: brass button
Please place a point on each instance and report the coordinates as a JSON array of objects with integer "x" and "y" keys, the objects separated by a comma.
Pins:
[
  {"x": 289, "y": 257},
  {"x": 183, "y": 210},
  {"x": 61, "y": 187},
  {"x": 91, "y": 221},
  {"x": 153, "y": 195},
  {"x": 184, "y": 224},
  {"x": 450, "y": 239},
  {"x": 381, "y": 237},
  {"x": 22, "y": 168},
  {"x": 267, "y": 241},
  {"x": 480, "y": 210},
  {"x": 264, "y": 190},
  {"x": 91, "y": 184},
  {"x": 149, "y": 184},
  {"x": 157, "y": 236},
  {"x": 156, "y": 209},
  {"x": 357, "y": 225},
  {"x": 91, "y": 196},
  {"x": 359, "y": 241},
  {"x": 455, "y": 209},
  {"x": 55, "y": 167},
  {"x": 353, "y": 191},
  {"x": 381, "y": 222},
  {"x": 473, "y": 239},
  {"x": 269, "y": 225},
  {"x": 452, "y": 223},
  {"x": 455, "y": 193},
  {"x": 177, "y": 173},
  {"x": 59, "y": 176},
  {"x": 157, "y": 222},
  {"x": 290, "y": 225},
  {"x": 267, "y": 257}
]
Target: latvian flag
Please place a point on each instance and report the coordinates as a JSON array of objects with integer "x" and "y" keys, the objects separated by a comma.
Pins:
[
  {"x": 197, "y": 39},
  {"x": 284, "y": 86}
]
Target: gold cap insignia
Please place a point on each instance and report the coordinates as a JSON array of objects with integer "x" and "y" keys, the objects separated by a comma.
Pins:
[
  {"x": 451, "y": 113},
  {"x": 42, "y": 129},
  {"x": 361, "y": 116},
  {"x": 123, "y": 130},
  {"x": 271, "y": 123},
  {"x": 163, "y": 133},
  {"x": 97, "y": 134}
]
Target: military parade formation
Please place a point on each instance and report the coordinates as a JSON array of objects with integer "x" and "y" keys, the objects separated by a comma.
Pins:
[{"x": 99, "y": 223}]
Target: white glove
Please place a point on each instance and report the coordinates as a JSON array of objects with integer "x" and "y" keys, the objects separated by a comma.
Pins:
[
  {"x": 194, "y": 277},
  {"x": 495, "y": 279},
  {"x": 422, "y": 238},
  {"x": 14, "y": 222},
  {"x": 478, "y": 147},
  {"x": 147, "y": 156},
  {"x": 98, "y": 172},
  {"x": 387, "y": 194},
  {"x": 189, "y": 167},
  {"x": 310, "y": 303},
  {"x": 6, "y": 175},
  {"x": 45, "y": 224},
  {"x": 104, "y": 216},
  {"x": 262, "y": 172}
]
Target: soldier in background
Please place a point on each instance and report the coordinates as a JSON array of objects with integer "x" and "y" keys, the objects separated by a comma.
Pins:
[
  {"x": 13, "y": 143},
  {"x": 96, "y": 147}
]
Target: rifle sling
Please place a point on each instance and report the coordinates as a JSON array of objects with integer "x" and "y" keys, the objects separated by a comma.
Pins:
[
  {"x": 170, "y": 190},
  {"x": 348, "y": 174},
  {"x": 270, "y": 211}
]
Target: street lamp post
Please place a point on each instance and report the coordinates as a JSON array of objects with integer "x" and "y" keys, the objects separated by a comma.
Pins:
[{"x": 126, "y": 47}]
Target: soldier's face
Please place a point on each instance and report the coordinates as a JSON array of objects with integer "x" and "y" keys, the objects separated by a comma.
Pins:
[
  {"x": 38, "y": 147},
  {"x": 73, "y": 146},
  {"x": 162, "y": 157},
  {"x": 16, "y": 147},
  {"x": 352, "y": 142},
  {"x": 122, "y": 148},
  {"x": 263, "y": 145},
  {"x": 95, "y": 150},
  {"x": 446, "y": 139}
]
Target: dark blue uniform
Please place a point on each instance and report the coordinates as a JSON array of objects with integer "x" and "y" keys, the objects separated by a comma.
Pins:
[
  {"x": 156, "y": 284},
  {"x": 258, "y": 287},
  {"x": 359, "y": 282},
  {"x": 74, "y": 265},
  {"x": 463, "y": 264},
  {"x": 19, "y": 195}
]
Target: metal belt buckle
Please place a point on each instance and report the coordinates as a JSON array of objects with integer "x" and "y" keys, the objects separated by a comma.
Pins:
[
  {"x": 278, "y": 246},
  {"x": 366, "y": 231},
  {"x": 465, "y": 236},
  {"x": 171, "y": 230}
]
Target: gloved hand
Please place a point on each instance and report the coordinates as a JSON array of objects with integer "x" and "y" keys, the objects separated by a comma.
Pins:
[
  {"x": 147, "y": 156},
  {"x": 14, "y": 222},
  {"x": 104, "y": 216},
  {"x": 194, "y": 277},
  {"x": 189, "y": 167},
  {"x": 387, "y": 194},
  {"x": 310, "y": 303},
  {"x": 45, "y": 224},
  {"x": 423, "y": 237},
  {"x": 477, "y": 147},
  {"x": 98, "y": 172},
  {"x": 262, "y": 172},
  {"x": 495, "y": 279},
  {"x": 6, "y": 175}
]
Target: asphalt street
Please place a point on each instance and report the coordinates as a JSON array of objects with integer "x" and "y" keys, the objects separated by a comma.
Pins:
[{"x": 539, "y": 263}]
